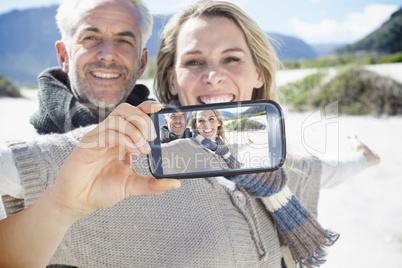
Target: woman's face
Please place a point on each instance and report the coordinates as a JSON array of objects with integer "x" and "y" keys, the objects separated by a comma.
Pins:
[
  {"x": 207, "y": 124},
  {"x": 213, "y": 63}
]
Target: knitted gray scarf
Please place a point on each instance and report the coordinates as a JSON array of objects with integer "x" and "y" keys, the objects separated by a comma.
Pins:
[{"x": 59, "y": 111}]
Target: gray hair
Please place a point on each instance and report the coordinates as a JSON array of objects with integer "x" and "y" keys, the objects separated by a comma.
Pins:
[
  {"x": 177, "y": 112},
  {"x": 70, "y": 12}
]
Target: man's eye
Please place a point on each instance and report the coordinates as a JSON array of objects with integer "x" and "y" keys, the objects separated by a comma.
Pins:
[
  {"x": 124, "y": 41},
  {"x": 90, "y": 41},
  {"x": 91, "y": 38}
]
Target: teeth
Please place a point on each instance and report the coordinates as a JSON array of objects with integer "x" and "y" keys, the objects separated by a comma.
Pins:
[
  {"x": 105, "y": 75},
  {"x": 208, "y": 131},
  {"x": 217, "y": 99}
]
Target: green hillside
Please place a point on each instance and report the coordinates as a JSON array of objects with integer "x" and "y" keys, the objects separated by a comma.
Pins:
[
  {"x": 386, "y": 39},
  {"x": 7, "y": 89},
  {"x": 357, "y": 91}
]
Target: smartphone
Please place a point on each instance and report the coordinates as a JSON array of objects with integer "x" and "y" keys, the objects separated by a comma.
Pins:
[{"x": 250, "y": 132}]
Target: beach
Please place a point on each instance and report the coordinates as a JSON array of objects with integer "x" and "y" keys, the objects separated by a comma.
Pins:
[{"x": 365, "y": 209}]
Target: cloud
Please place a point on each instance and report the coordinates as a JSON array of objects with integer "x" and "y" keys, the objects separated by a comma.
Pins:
[{"x": 356, "y": 26}]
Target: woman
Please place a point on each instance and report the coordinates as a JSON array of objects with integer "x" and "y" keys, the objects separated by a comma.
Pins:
[
  {"x": 209, "y": 124},
  {"x": 215, "y": 53},
  {"x": 253, "y": 56}
]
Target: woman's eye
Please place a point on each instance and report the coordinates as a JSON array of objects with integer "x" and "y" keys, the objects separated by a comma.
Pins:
[
  {"x": 231, "y": 59},
  {"x": 192, "y": 63}
]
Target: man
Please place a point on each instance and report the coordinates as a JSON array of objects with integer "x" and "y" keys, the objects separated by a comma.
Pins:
[
  {"x": 101, "y": 56},
  {"x": 175, "y": 127}
]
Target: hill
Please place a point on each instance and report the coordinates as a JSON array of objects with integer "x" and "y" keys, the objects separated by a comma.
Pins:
[
  {"x": 356, "y": 90},
  {"x": 27, "y": 45},
  {"x": 291, "y": 48},
  {"x": 326, "y": 49},
  {"x": 7, "y": 89},
  {"x": 28, "y": 38},
  {"x": 254, "y": 110},
  {"x": 386, "y": 39}
]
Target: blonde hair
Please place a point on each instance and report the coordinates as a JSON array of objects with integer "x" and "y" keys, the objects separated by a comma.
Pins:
[
  {"x": 70, "y": 12},
  {"x": 262, "y": 51},
  {"x": 219, "y": 116}
]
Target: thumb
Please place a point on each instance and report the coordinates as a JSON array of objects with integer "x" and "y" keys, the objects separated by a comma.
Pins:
[
  {"x": 148, "y": 185},
  {"x": 162, "y": 185}
]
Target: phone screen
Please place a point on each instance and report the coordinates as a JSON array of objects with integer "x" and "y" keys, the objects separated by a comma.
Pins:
[{"x": 203, "y": 140}]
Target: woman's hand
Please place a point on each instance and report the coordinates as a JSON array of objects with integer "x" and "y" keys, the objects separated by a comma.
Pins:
[{"x": 98, "y": 173}]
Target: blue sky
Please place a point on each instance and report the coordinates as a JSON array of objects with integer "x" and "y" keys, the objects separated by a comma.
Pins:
[{"x": 314, "y": 21}]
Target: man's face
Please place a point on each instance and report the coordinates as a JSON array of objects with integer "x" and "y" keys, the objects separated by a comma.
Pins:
[
  {"x": 176, "y": 123},
  {"x": 105, "y": 56}
]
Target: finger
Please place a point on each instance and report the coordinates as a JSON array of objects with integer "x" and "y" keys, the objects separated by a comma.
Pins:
[
  {"x": 163, "y": 185},
  {"x": 138, "y": 117},
  {"x": 125, "y": 143},
  {"x": 149, "y": 107},
  {"x": 148, "y": 185},
  {"x": 110, "y": 138},
  {"x": 116, "y": 131},
  {"x": 132, "y": 136}
]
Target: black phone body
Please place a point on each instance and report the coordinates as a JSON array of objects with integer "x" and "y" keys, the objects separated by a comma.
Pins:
[{"x": 255, "y": 132}]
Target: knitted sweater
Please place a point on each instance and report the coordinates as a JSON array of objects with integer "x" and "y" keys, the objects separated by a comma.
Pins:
[{"x": 202, "y": 224}]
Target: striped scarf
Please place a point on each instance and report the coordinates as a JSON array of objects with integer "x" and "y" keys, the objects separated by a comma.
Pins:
[{"x": 303, "y": 241}]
